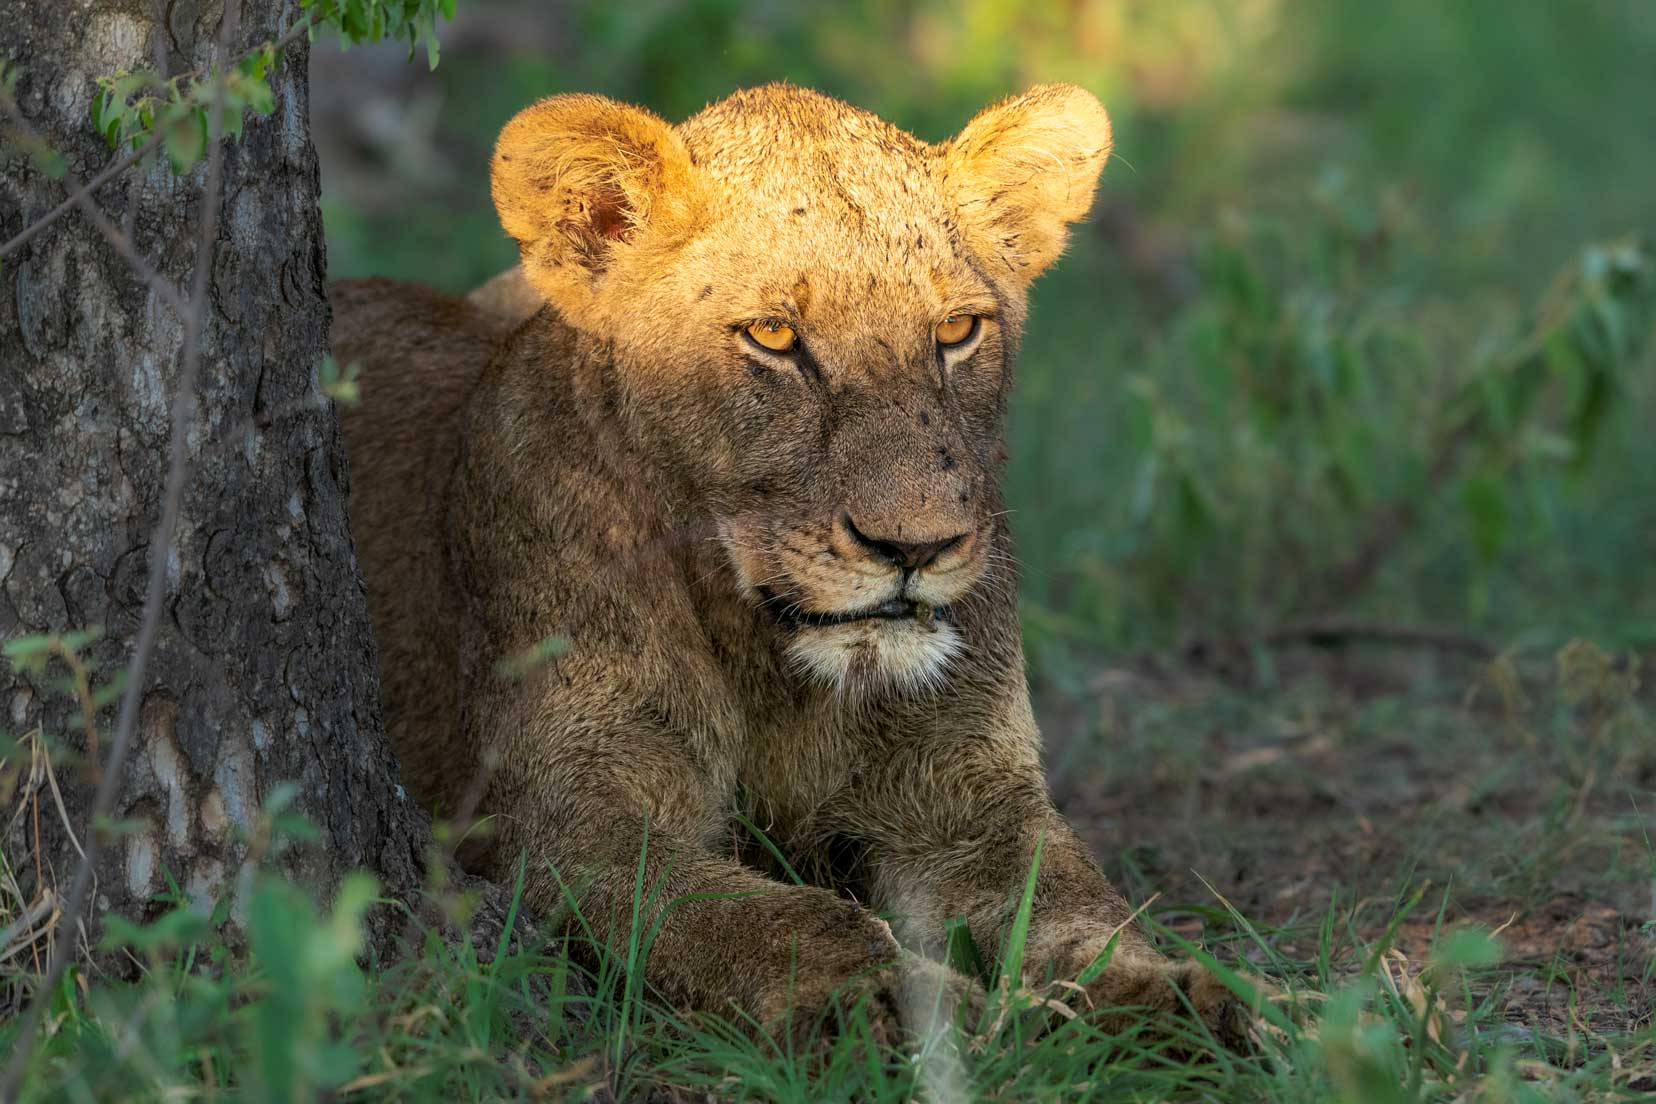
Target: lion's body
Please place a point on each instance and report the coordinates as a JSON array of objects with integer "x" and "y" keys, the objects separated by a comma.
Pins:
[{"x": 716, "y": 531}]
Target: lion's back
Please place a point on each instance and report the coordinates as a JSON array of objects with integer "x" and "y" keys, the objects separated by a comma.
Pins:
[{"x": 420, "y": 354}]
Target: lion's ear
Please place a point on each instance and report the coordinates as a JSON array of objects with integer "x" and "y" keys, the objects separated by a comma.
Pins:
[
  {"x": 1023, "y": 170},
  {"x": 579, "y": 179}
]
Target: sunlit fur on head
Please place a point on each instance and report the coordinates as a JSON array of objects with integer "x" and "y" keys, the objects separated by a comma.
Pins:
[{"x": 782, "y": 206}]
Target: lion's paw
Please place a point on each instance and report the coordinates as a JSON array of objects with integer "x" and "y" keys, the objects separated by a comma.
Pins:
[{"x": 1166, "y": 993}]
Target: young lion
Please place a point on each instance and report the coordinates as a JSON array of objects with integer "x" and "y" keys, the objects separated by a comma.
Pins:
[{"x": 746, "y": 460}]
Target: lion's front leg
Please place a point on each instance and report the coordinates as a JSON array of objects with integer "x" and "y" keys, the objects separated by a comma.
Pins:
[
  {"x": 1080, "y": 921},
  {"x": 972, "y": 835},
  {"x": 620, "y": 826}
]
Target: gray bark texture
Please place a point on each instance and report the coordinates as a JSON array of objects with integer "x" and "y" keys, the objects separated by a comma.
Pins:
[{"x": 264, "y": 670}]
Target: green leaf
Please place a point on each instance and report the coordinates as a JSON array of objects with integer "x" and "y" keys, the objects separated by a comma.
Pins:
[
  {"x": 260, "y": 97},
  {"x": 280, "y": 924},
  {"x": 1363, "y": 1054},
  {"x": 340, "y": 384},
  {"x": 109, "y": 692},
  {"x": 339, "y": 946},
  {"x": 1196, "y": 515},
  {"x": 1018, "y": 936},
  {"x": 50, "y": 163},
  {"x": 293, "y": 826},
  {"x": 231, "y": 117},
  {"x": 1466, "y": 948},
  {"x": 518, "y": 665},
  {"x": 100, "y": 123},
  {"x": 125, "y": 85},
  {"x": 113, "y": 828},
  {"x": 281, "y": 795},
  {"x": 961, "y": 950},
  {"x": 335, "y": 1063},
  {"x": 177, "y": 928},
  {"x": 423, "y": 27},
  {"x": 774, "y": 851},
  {"x": 65, "y": 1002},
  {"x": 1484, "y": 498},
  {"x": 1100, "y": 962},
  {"x": 221, "y": 911},
  {"x": 185, "y": 139},
  {"x": 30, "y": 652}
]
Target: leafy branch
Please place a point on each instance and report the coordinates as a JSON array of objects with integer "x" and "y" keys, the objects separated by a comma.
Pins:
[{"x": 143, "y": 112}]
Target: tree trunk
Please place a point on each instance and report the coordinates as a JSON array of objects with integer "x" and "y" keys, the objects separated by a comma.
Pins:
[{"x": 264, "y": 669}]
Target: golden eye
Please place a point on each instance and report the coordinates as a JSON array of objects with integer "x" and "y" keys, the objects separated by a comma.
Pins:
[
  {"x": 772, "y": 335},
  {"x": 956, "y": 328}
]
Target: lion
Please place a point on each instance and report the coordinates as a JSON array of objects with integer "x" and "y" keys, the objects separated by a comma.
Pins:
[{"x": 733, "y": 434}]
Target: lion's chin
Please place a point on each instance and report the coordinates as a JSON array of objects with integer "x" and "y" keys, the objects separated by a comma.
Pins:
[{"x": 863, "y": 658}]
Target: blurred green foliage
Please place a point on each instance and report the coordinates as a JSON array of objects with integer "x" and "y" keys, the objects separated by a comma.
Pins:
[{"x": 1354, "y": 267}]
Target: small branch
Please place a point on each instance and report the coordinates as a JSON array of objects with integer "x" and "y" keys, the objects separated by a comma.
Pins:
[
  {"x": 82, "y": 195},
  {"x": 289, "y": 36},
  {"x": 183, "y": 413},
  {"x": 25, "y": 923},
  {"x": 82, "y": 198},
  {"x": 40, "y": 879}
]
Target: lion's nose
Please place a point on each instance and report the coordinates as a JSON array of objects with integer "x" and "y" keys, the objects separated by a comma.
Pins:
[{"x": 910, "y": 556}]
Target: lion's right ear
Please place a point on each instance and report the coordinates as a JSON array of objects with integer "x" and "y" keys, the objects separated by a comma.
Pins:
[{"x": 579, "y": 179}]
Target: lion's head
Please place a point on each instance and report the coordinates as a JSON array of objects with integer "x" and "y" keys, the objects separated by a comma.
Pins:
[{"x": 811, "y": 317}]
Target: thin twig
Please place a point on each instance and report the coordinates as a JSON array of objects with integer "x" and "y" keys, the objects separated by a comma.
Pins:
[
  {"x": 24, "y": 923},
  {"x": 81, "y": 196},
  {"x": 40, "y": 883},
  {"x": 123, "y": 243},
  {"x": 183, "y": 413},
  {"x": 78, "y": 195}
]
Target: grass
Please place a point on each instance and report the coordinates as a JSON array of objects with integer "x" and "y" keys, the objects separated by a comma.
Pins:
[
  {"x": 1352, "y": 1021},
  {"x": 1439, "y": 893}
]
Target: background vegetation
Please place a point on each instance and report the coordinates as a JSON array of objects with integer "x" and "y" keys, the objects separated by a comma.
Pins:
[
  {"x": 1335, "y": 488},
  {"x": 1329, "y": 233}
]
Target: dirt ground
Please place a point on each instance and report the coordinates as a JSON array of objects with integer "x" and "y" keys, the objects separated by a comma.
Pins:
[{"x": 1500, "y": 795}]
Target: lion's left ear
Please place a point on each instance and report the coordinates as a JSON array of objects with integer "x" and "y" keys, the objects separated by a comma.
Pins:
[{"x": 1023, "y": 170}]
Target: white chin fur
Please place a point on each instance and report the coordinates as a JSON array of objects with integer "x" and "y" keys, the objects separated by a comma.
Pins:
[{"x": 861, "y": 658}]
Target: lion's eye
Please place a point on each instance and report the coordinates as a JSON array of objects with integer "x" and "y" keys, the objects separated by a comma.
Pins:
[
  {"x": 773, "y": 336},
  {"x": 956, "y": 328}
]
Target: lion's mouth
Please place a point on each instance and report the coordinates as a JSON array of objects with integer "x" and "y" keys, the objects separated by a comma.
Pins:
[{"x": 893, "y": 609}]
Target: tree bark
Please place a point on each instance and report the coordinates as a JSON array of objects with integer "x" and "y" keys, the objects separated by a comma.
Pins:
[{"x": 264, "y": 669}]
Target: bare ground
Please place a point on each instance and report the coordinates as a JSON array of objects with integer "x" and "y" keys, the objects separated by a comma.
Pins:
[{"x": 1500, "y": 796}]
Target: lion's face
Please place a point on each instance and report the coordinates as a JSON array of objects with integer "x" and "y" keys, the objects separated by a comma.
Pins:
[{"x": 812, "y": 316}]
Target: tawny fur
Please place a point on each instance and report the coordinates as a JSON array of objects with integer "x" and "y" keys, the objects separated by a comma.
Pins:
[{"x": 623, "y": 468}]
